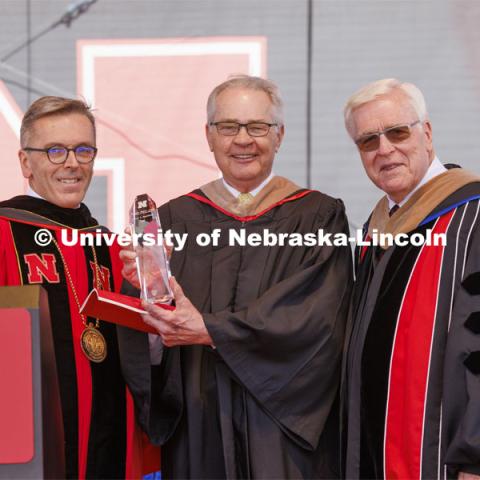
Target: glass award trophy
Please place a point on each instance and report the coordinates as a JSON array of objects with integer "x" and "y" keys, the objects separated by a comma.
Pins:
[{"x": 152, "y": 259}]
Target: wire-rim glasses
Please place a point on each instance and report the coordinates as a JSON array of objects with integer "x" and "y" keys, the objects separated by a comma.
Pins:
[
  {"x": 254, "y": 129},
  {"x": 395, "y": 134}
]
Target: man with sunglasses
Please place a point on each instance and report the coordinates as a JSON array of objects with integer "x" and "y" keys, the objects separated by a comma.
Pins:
[
  {"x": 248, "y": 382},
  {"x": 411, "y": 385},
  {"x": 57, "y": 153}
]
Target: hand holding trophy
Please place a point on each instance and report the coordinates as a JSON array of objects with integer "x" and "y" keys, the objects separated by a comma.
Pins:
[
  {"x": 151, "y": 257},
  {"x": 182, "y": 325}
]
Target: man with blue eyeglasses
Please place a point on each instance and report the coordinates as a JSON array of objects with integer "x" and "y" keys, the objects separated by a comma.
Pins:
[{"x": 56, "y": 156}]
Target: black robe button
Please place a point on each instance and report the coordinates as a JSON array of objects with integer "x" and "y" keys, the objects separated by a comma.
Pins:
[
  {"x": 472, "y": 362},
  {"x": 472, "y": 284},
  {"x": 473, "y": 322}
]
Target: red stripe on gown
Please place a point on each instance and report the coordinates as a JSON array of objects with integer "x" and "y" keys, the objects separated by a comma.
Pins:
[
  {"x": 247, "y": 218},
  {"x": 133, "y": 467},
  {"x": 141, "y": 457},
  {"x": 9, "y": 273},
  {"x": 410, "y": 363},
  {"x": 75, "y": 259}
]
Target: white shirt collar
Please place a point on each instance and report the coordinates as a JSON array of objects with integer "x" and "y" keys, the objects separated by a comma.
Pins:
[
  {"x": 236, "y": 193},
  {"x": 33, "y": 193},
  {"x": 435, "y": 168}
]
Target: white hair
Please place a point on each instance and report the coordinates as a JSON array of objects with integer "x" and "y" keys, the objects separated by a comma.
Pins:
[
  {"x": 250, "y": 83},
  {"x": 383, "y": 87}
]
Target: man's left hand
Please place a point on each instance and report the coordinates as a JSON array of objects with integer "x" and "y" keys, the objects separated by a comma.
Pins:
[{"x": 182, "y": 326}]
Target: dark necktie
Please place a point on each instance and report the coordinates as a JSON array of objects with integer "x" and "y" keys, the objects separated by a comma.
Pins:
[{"x": 393, "y": 210}]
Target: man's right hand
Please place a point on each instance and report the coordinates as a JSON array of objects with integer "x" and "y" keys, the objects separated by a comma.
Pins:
[{"x": 129, "y": 270}]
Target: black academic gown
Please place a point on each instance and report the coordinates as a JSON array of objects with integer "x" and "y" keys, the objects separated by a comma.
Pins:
[
  {"x": 262, "y": 404},
  {"x": 93, "y": 395},
  {"x": 412, "y": 384}
]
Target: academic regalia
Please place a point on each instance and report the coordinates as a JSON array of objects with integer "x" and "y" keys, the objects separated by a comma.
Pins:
[
  {"x": 101, "y": 440},
  {"x": 263, "y": 402},
  {"x": 412, "y": 386}
]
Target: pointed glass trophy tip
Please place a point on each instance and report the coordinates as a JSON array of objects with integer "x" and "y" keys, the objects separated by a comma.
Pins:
[
  {"x": 152, "y": 259},
  {"x": 143, "y": 208}
]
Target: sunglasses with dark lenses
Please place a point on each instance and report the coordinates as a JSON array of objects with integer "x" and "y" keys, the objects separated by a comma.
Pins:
[{"x": 396, "y": 134}]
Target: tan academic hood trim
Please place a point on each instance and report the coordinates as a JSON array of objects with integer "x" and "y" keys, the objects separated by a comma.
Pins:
[
  {"x": 420, "y": 204},
  {"x": 275, "y": 190}
]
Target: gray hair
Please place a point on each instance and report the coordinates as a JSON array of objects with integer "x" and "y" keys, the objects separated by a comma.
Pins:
[
  {"x": 383, "y": 87},
  {"x": 251, "y": 83},
  {"x": 50, "y": 106}
]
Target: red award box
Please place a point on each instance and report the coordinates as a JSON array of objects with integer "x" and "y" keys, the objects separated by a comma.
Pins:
[{"x": 117, "y": 308}]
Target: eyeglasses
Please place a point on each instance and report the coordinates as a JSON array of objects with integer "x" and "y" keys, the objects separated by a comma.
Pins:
[
  {"x": 254, "y": 129},
  {"x": 397, "y": 134},
  {"x": 58, "y": 155}
]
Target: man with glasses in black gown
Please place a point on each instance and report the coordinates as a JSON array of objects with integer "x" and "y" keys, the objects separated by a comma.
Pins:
[
  {"x": 411, "y": 384},
  {"x": 248, "y": 382},
  {"x": 57, "y": 153}
]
